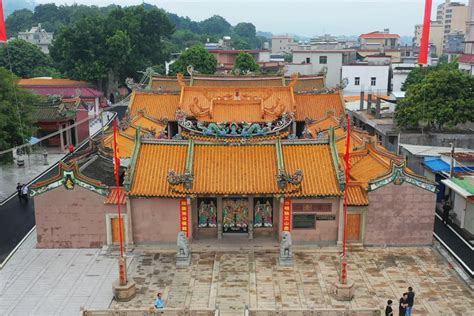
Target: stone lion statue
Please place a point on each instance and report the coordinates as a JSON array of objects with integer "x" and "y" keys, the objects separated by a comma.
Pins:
[
  {"x": 285, "y": 245},
  {"x": 183, "y": 246}
]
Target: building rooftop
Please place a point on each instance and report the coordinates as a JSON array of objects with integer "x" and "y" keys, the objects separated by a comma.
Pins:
[{"x": 378, "y": 34}]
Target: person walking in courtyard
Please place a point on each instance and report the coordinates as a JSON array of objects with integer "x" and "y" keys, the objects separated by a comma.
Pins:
[
  {"x": 18, "y": 191},
  {"x": 159, "y": 304},
  {"x": 388, "y": 308},
  {"x": 446, "y": 209},
  {"x": 410, "y": 301},
  {"x": 402, "y": 307}
]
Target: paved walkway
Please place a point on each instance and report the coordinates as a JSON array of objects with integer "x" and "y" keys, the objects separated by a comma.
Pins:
[
  {"x": 233, "y": 279},
  {"x": 55, "y": 281}
]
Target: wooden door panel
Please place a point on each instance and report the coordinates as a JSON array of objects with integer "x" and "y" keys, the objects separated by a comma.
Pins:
[
  {"x": 116, "y": 230},
  {"x": 353, "y": 226}
]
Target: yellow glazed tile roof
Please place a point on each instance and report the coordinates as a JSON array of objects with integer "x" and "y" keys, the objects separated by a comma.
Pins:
[
  {"x": 357, "y": 195},
  {"x": 307, "y": 83},
  {"x": 235, "y": 169},
  {"x": 152, "y": 166},
  {"x": 240, "y": 104},
  {"x": 368, "y": 168},
  {"x": 317, "y": 106},
  {"x": 318, "y": 168},
  {"x": 155, "y": 105},
  {"x": 126, "y": 144}
]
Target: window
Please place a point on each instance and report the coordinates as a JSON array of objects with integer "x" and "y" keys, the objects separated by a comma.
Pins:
[
  {"x": 373, "y": 81},
  {"x": 323, "y": 59},
  {"x": 357, "y": 81},
  {"x": 308, "y": 60},
  {"x": 304, "y": 221}
]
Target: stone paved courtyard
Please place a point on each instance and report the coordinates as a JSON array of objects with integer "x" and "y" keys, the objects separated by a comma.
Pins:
[{"x": 233, "y": 279}]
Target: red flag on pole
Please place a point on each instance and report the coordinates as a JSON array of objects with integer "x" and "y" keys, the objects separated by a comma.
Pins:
[
  {"x": 3, "y": 29},
  {"x": 425, "y": 35}
]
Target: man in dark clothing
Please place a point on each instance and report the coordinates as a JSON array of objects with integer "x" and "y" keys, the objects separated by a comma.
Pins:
[
  {"x": 18, "y": 191},
  {"x": 446, "y": 209},
  {"x": 402, "y": 307},
  {"x": 410, "y": 301},
  {"x": 388, "y": 308}
]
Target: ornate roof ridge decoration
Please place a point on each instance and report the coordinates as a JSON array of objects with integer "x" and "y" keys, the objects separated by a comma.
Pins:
[
  {"x": 228, "y": 140},
  {"x": 398, "y": 174},
  {"x": 234, "y": 129},
  {"x": 134, "y": 86},
  {"x": 284, "y": 178},
  {"x": 338, "y": 166},
  {"x": 318, "y": 91},
  {"x": 186, "y": 178},
  {"x": 68, "y": 176}
]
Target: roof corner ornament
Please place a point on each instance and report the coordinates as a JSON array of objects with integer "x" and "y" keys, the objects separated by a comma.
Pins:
[
  {"x": 176, "y": 179},
  {"x": 180, "y": 78},
  {"x": 190, "y": 70},
  {"x": 283, "y": 178},
  {"x": 132, "y": 85},
  {"x": 294, "y": 80}
]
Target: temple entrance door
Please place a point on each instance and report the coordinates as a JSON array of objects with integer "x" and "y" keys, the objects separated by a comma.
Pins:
[
  {"x": 116, "y": 230},
  {"x": 353, "y": 227},
  {"x": 235, "y": 215}
]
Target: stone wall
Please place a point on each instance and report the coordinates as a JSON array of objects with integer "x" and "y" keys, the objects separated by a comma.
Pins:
[
  {"x": 325, "y": 231},
  {"x": 400, "y": 215},
  {"x": 155, "y": 219},
  {"x": 438, "y": 139},
  {"x": 71, "y": 219}
]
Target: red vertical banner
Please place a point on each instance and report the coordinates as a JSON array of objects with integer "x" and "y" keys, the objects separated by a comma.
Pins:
[
  {"x": 184, "y": 216},
  {"x": 286, "y": 221},
  {"x": 3, "y": 29},
  {"x": 425, "y": 35}
]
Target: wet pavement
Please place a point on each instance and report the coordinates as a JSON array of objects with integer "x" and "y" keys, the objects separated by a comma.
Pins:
[{"x": 232, "y": 279}]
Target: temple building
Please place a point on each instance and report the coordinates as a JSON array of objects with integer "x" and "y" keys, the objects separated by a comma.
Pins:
[{"x": 219, "y": 157}]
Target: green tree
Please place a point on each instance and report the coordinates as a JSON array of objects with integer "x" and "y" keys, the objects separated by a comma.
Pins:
[
  {"x": 443, "y": 98},
  {"x": 202, "y": 61},
  {"x": 24, "y": 57},
  {"x": 16, "y": 123},
  {"x": 19, "y": 21},
  {"x": 245, "y": 63},
  {"x": 215, "y": 25},
  {"x": 418, "y": 74},
  {"x": 244, "y": 29},
  {"x": 108, "y": 48}
]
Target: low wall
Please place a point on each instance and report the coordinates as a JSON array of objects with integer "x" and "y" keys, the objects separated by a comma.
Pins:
[
  {"x": 149, "y": 312},
  {"x": 252, "y": 312}
]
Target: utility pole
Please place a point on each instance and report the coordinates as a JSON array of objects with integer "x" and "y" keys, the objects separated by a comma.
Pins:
[{"x": 451, "y": 169}]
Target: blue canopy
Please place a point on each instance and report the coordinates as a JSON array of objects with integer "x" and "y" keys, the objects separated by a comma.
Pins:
[{"x": 438, "y": 165}]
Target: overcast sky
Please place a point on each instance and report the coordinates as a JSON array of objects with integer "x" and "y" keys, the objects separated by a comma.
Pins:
[{"x": 304, "y": 17}]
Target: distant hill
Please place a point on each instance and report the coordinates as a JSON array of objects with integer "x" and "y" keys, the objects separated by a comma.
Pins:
[{"x": 12, "y": 5}]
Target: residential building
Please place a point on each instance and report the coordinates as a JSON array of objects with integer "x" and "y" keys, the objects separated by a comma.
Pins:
[
  {"x": 380, "y": 42},
  {"x": 453, "y": 16},
  {"x": 283, "y": 44},
  {"x": 466, "y": 60},
  {"x": 68, "y": 89},
  {"x": 373, "y": 75},
  {"x": 436, "y": 36},
  {"x": 39, "y": 37},
  {"x": 254, "y": 177},
  {"x": 400, "y": 73},
  {"x": 226, "y": 59},
  {"x": 454, "y": 43},
  {"x": 462, "y": 197},
  {"x": 328, "y": 62}
]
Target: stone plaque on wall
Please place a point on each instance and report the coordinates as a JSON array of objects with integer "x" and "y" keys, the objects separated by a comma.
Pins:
[
  {"x": 326, "y": 217},
  {"x": 312, "y": 207}
]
